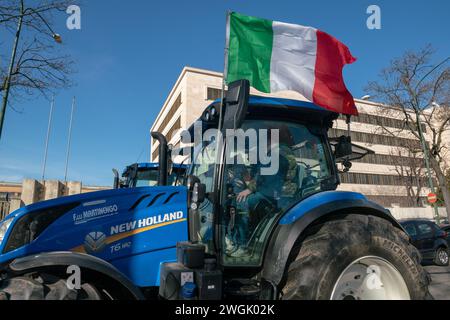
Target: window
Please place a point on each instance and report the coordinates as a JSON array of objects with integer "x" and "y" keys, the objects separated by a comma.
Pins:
[
  {"x": 168, "y": 117},
  {"x": 147, "y": 178},
  {"x": 155, "y": 154},
  {"x": 175, "y": 127},
  {"x": 254, "y": 198},
  {"x": 391, "y": 160},
  {"x": 375, "y": 138},
  {"x": 377, "y": 179},
  {"x": 380, "y": 121},
  {"x": 410, "y": 229},
  {"x": 424, "y": 228},
  {"x": 213, "y": 93},
  {"x": 203, "y": 168}
]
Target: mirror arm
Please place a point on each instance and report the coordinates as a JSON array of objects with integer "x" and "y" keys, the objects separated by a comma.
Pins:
[{"x": 347, "y": 120}]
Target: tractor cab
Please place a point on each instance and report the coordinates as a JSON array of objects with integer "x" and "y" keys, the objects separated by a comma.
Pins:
[
  {"x": 258, "y": 166},
  {"x": 273, "y": 154},
  {"x": 254, "y": 163},
  {"x": 146, "y": 175}
]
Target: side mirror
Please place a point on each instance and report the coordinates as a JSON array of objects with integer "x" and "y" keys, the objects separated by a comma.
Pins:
[
  {"x": 343, "y": 147},
  {"x": 236, "y": 104},
  {"x": 345, "y": 151}
]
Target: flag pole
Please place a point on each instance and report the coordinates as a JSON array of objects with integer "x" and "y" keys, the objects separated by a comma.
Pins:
[
  {"x": 69, "y": 139},
  {"x": 50, "y": 116},
  {"x": 225, "y": 68},
  {"x": 219, "y": 136}
]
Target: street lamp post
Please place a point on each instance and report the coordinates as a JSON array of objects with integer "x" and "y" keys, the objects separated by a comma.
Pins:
[
  {"x": 7, "y": 85},
  {"x": 10, "y": 69},
  {"x": 50, "y": 117},
  {"x": 427, "y": 164},
  {"x": 69, "y": 139}
]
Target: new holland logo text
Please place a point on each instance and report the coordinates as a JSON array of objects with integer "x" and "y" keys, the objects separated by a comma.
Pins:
[
  {"x": 145, "y": 222},
  {"x": 92, "y": 214}
]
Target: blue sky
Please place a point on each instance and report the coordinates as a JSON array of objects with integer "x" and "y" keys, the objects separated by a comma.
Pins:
[{"x": 129, "y": 53}]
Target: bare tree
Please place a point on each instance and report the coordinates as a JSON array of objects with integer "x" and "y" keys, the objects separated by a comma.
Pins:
[
  {"x": 419, "y": 93},
  {"x": 409, "y": 167},
  {"x": 36, "y": 64}
]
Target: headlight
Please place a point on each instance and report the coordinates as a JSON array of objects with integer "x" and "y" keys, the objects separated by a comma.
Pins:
[{"x": 4, "y": 225}]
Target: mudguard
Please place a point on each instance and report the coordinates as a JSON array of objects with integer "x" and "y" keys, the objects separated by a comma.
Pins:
[
  {"x": 82, "y": 260},
  {"x": 303, "y": 214}
]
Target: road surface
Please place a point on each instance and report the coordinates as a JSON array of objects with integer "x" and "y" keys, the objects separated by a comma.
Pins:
[{"x": 440, "y": 282}]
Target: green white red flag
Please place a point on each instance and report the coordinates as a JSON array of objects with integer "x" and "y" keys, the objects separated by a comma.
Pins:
[{"x": 276, "y": 56}]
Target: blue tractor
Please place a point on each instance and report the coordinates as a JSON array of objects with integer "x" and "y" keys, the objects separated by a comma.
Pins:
[
  {"x": 235, "y": 229},
  {"x": 146, "y": 174}
]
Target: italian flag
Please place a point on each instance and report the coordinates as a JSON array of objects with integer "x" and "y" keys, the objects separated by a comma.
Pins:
[{"x": 276, "y": 56}]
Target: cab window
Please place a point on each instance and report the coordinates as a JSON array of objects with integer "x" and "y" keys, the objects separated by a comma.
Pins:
[
  {"x": 203, "y": 168},
  {"x": 147, "y": 178},
  {"x": 253, "y": 200}
]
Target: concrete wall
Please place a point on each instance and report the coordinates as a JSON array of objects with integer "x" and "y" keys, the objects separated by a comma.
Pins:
[
  {"x": 408, "y": 213},
  {"x": 15, "y": 204},
  {"x": 35, "y": 191},
  {"x": 73, "y": 187},
  {"x": 32, "y": 191},
  {"x": 53, "y": 189}
]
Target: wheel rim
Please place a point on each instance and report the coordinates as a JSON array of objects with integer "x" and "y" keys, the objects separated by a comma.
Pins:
[
  {"x": 443, "y": 256},
  {"x": 370, "y": 278}
]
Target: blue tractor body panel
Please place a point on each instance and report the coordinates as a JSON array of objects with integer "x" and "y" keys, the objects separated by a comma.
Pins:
[
  {"x": 317, "y": 200},
  {"x": 134, "y": 229}
]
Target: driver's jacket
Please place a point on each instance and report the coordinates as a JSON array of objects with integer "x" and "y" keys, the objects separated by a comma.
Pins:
[{"x": 282, "y": 184}]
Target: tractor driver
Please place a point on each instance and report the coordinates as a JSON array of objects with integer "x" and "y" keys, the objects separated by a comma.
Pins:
[{"x": 255, "y": 194}]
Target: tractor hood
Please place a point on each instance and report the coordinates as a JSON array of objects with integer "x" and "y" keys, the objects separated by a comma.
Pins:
[{"x": 110, "y": 224}]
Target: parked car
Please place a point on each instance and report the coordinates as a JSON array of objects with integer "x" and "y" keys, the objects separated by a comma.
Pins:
[
  {"x": 446, "y": 228},
  {"x": 429, "y": 239}
]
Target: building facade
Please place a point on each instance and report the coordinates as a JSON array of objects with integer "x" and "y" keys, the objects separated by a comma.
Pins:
[
  {"x": 382, "y": 177},
  {"x": 14, "y": 195}
]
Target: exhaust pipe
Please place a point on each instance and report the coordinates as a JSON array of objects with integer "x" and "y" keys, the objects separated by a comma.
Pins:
[
  {"x": 162, "y": 155},
  {"x": 116, "y": 178}
]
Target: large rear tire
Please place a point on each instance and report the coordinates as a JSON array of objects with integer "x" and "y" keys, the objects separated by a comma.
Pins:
[{"x": 355, "y": 257}]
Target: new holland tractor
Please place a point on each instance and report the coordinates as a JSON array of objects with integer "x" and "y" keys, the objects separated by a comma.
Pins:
[
  {"x": 146, "y": 174},
  {"x": 233, "y": 231}
]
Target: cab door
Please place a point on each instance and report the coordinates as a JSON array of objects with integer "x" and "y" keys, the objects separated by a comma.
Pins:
[
  {"x": 202, "y": 215},
  {"x": 278, "y": 164}
]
